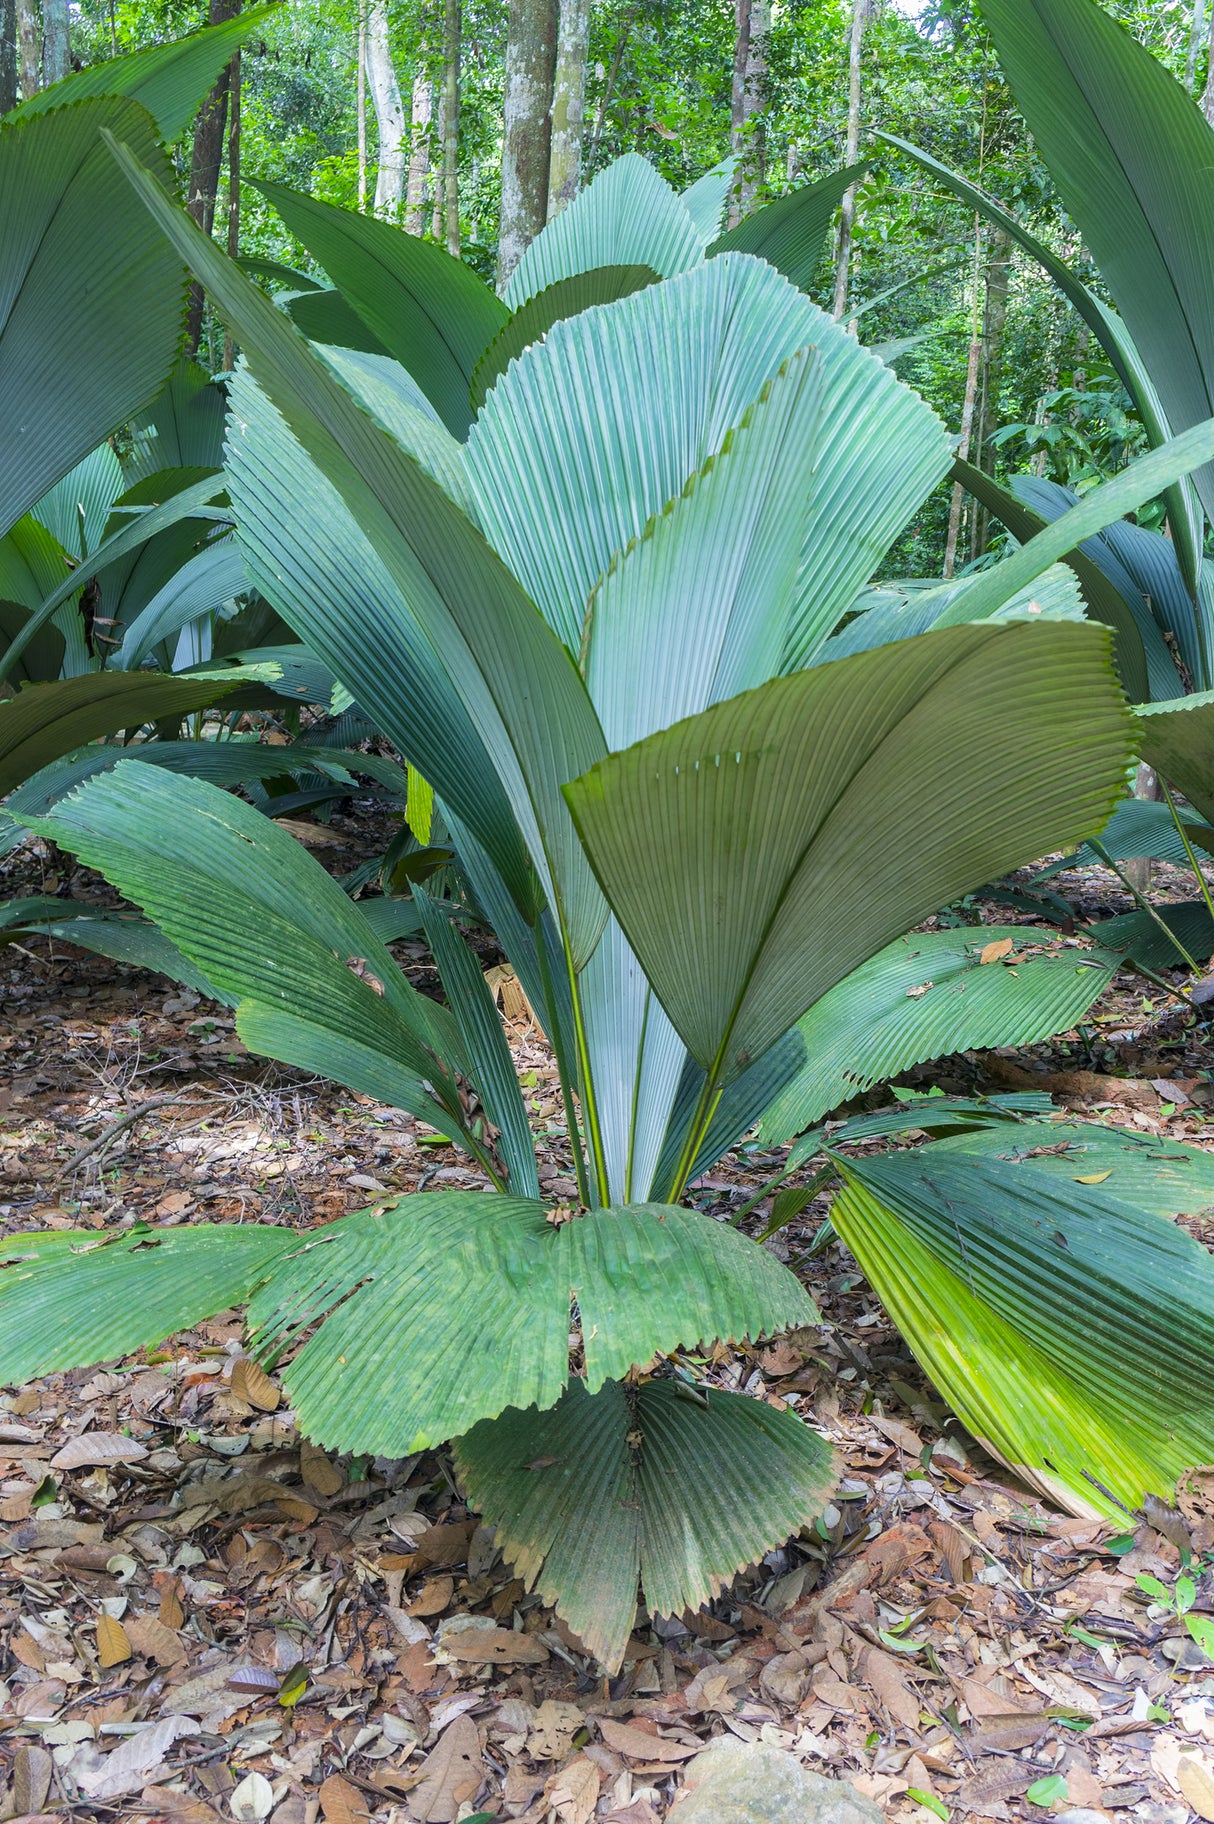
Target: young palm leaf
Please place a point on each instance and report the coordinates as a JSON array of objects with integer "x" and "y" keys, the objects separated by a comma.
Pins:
[
  {"x": 628, "y": 216},
  {"x": 479, "y": 621},
  {"x": 431, "y": 312},
  {"x": 772, "y": 795}
]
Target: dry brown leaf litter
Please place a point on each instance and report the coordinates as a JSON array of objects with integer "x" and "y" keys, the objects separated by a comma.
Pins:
[{"x": 205, "y": 1617}]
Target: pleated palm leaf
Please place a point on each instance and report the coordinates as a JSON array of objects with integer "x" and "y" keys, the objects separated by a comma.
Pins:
[{"x": 592, "y": 626}]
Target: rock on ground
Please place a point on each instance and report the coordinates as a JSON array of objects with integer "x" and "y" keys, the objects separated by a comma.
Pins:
[{"x": 737, "y": 1782}]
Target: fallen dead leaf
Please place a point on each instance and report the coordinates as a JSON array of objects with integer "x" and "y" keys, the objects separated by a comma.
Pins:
[
  {"x": 98, "y": 1449},
  {"x": 627, "y": 1738},
  {"x": 889, "y": 1684},
  {"x": 990, "y": 953},
  {"x": 341, "y": 1803},
  {"x": 573, "y": 1793},
  {"x": 432, "y": 1598},
  {"x": 252, "y": 1384},
  {"x": 451, "y": 1773},
  {"x": 1196, "y": 1780},
  {"x": 31, "y": 1777},
  {"x": 135, "y": 1760},
  {"x": 552, "y": 1729},
  {"x": 251, "y": 1800},
  {"x": 493, "y": 1647},
  {"x": 318, "y": 1471},
  {"x": 113, "y": 1646}
]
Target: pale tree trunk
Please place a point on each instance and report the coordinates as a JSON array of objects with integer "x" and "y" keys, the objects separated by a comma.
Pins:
[
  {"x": 390, "y": 119},
  {"x": 421, "y": 127},
  {"x": 994, "y": 326},
  {"x": 209, "y": 131},
  {"x": 1207, "y": 100},
  {"x": 437, "y": 193},
  {"x": 452, "y": 21},
  {"x": 8, "y": 55},
  {"x": 973, "y": 370},
  {"x": 29, "y": 40},
  {"x": 361, "y": 105},
  {"x": 1146, "y": 785},
  {"x": 847, "y": 212},
  {"x": 56, "y": 44},
  {"x": 527, "y": 129},
  {"x": 568, "y": 104},
  {"x": 747, "y": 99},
  {"x": 1197, "y": 32}
]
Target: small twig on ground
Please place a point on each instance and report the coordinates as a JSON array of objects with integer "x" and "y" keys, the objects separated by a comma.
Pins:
[{"x": 114, "y": 1129}]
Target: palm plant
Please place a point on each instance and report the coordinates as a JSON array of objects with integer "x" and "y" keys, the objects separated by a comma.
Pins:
[{"x": 594, "y": 609}]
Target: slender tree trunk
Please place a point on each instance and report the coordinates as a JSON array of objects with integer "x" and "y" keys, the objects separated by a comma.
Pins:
[
  {"x": 56, "y": 42},
  {"x": 994, "y": 326},
  {"x": 617, "y": 58},
  {"x": 973, "y": 370},
  {"x": 568, "y": 104},
  {"x": 209, "y": 130},
  {"x": 8, "y": 55},
  {"x": 1207, "y": 100},
  {"x": 361, "y": 104},
  {"x": 527, "y": 129},
  {"x": 452, "y": 22},
  {"x": 437, "y": 192},
  {"x": 847, "y": 213},
  {"x": 1197, "y": 32},
  {"x": 421, "y": 128},
  {"x": 747, "y": 100},
  {"x": 29, "y": 40},
  {"x": 389, "y": 112},
  {"x": 229, "y": 350},
  {"x": 1146, "y": 785}
]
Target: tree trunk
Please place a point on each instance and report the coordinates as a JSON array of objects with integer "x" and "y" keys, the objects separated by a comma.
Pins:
[
  {"x": 29, "y": 40},
  {"x": 1197, "y": 32},
  {"x": 527, "y": 129},
  {"x": 421, "y": 128},
  {"x": 8, "y": 55},
  {"x": 361, "y": 105},
  {"x": 956, "y": 505},
  {"x": 994, "y": 325},
  {"x": 973, "y": 371},
  {"x": 617, "y": 58},
  {"x": 452, "y": 23},
  {"x": 748, "y": 96},
  {"x": 56, "y": 43},
  {"x": 847, "y": 213},
  {"x": 1207, "y": 100},
  {"x": 389, "y": 112},
  {"x": 568, "y": 104},
  {"x": 229, "y": 350},
  {"x": 205, "y": 166}
]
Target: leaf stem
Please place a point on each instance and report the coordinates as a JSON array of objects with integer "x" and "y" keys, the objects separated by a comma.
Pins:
[
  {"x": 562, "y": 1066},
  {"x": 1184, "y": 837},
  {"x": 594, "y": 1134},
  {"x": 698, "y": 1126}
]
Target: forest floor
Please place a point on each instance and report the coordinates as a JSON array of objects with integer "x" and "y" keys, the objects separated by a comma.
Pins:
[{"x": 203, "y": 1617}]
